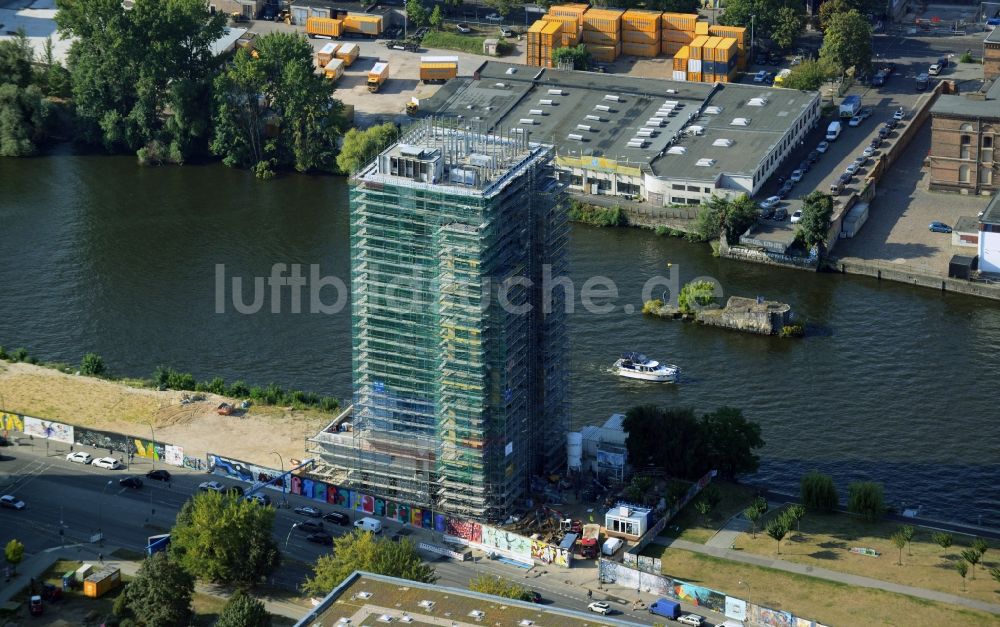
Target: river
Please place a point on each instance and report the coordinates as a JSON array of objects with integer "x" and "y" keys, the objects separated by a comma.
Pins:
[{"x": 891, "y": 383}]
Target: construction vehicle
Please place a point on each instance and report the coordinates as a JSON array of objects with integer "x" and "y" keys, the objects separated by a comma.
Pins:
[
  {"x": 284, "y": 15},
  {"x": 412, "y": 107},
  {"x": 323, "y": 27},
  {"x": 438, "y": 69},
  {"x": 377, "y": 75},
  {"x": 590, "y": 542}
]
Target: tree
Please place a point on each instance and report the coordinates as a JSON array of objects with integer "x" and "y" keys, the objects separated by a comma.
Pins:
[
  {"x": 794, "y": 515},
  {"x": 777, "y": 529},
  {"x": 55, "y": 79},
  {"x": 577, "y": 57},
  {"x": 942, "y": 538},
  {"x": 907, "y": 532},
  {"x": 641, "y": 424},
  {"x": 23, "y": 112},
  {"x": 133, "y": 71},
  {"x": 818, "y": 492},
  {"x": 14, "y": 553},
  {"x": 703, "y": 506},
  {"x": 810, "y": 75},
  {"x": 675, "y": 6},
  {"x": 639, "y": 488},
  {"x": 92, "y": 365},
  {"x": 501, "y": 587},
  {"x": 830, "y": 8},
  {"x": 899, "y": 541},
  {"x": 225, "y": 539},
  {"x": 160, "y": 593},
  {"x": 242, "y": 610},
  {"x": 817, "y": 209},
  {"x": 735, "y": 216},
  {"x": 847, "y": 41},
  {"x": 972, "y": 557},
  {"x": 503, "y": 7},
  {"x": 668, "y": 438},
  {"x": 436, "y": 18},
  {"x": 696, "y": 295},
  {"x": 995, "y": 573},
  {"x": 963, "y": 570},
  {"x": 416, "y": 13},
  {"x": 865, "y": 498},
  {"x": 360, "y": 147},
  {"x": 754, "y": 514},
  {"x": 980, "y": 546},
  {"x": 788, "y": 24},
  {"x": 766, "y": 15},
  {"x": 362, "y": 550},
  {"x": 730, "y": 440}
]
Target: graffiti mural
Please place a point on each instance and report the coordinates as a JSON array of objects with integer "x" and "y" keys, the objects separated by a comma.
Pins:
[
  {"x": 48, "y": 429},
  {"x": 507, "y": 542},
  {"x": 244, "y": 471},
  {"x": 543, "y": 552},
  {"x": 697, "y": 595},
  {"x": 771, "y": 618},
  {"x": 464, "y": 530},
  {"x": 147, "y": 449},
  {"x": 173, "y": 455},
  {"x": 114, "y": 442},
  {"x": 11, "y": 422}
]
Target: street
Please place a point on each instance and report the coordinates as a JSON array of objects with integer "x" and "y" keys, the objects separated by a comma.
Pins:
[{"x": 68, "y": 502}]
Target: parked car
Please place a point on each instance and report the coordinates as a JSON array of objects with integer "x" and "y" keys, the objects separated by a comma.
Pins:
[
  {"x": 861, "y": 161},
  {"x": 259, "y": 499},
  {"x": 898, "y": 115},
  {"x": 940, "y": 227},
  {"x": 943, "y": 62},
  {"x": 339, "y": 518},
  {"x": 780, "y": 214},
  {"x": 865, "y": 113},
  {"x": 844, "y": 178},
  {"x": 856, "y": 121},
  {"x": 494, "y": 18},
  {"x": 796, "y": 176},
  {"x": 766, "y": 213},
  {"x": 309, "y": 526},
  {"x": 691, "y": 619},
  {"x": 869, "y": 151},
  {"x": 79, "y": 457},
  {"x": 785, "y": 189},
  {"x": 805, "y": 166},
  {"x": 770, "y": 203},
  {"x": 600, "y": 607},
  {"x": 797, "y": 216},
  {"x": 761, "y": 76},
  {"x": 506, "y": 32},
  {"x": 320, "y": 538},
  {"x": 308, "y": 510},
  {"x": 884, "y": 132},
  {"x": 822, "y": 147},
  {"x": 158, "y": 475},
  {"x": 110, "y": 463},
  {"x": 852, "y": 168},
  {"x": 534, "y": 596},
  {"x": 211, "y": 486},
  {"x": 462, "y": 27},
  {"x": 934, "y": 69},
  {"x": 11, "y": 502},
  {"x": 131, "y": 482},
  {"x": 796, "y": 60},
  {"x": 813, "y": 156}
]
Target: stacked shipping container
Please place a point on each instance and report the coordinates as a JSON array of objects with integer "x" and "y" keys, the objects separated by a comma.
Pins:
[
  {"x": 641, "y": 33},
  {"x": 602, "y": 32},
  {"x": 543, "y": 38},
  {"x": 737, "y": 32},
  {"x": 677, "y": 31}
]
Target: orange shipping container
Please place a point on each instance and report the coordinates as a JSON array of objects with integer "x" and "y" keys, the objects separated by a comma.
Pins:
[
  {"x": 645, "y": 21},
  {"x": 640, "y": 50},
  {"x": 604, "y": 54},
  {"x": 708, "y": 50},
  {"x": 597, "y": 37},
  {"x": 694, "y": 77},
  {"x": 571, "y": 10},
  {"x": 680, "y": 21},
  {"x": 640, "y": 37},
  {"x": 671, "y": 47},
  {"x": 697, "y": 45},
  {"x": 726, "y": 50},
  {"x": 701, "y": 28},
  {"x": 707, "y": 78},
  {"x": 737, "y": 32},
  {"x": 682, "y": 36},
  {"x": 365, "y": 24},
  {"x": 681, "y": 59},
  {"x": 323, "y": 26},
  {"x": 604, "y": 20}
]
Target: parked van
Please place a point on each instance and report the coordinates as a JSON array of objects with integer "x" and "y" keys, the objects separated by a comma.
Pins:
[
  {"x": 611, "y": 546},
  {"x": 369, "y": 524},
  {"x": 833, "y": 131},
  {"x": 666, "y": 607}
]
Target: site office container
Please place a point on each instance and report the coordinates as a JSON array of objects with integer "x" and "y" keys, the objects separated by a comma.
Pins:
[
  {"x": 679, "y": 36},
  {"x": 324, "y": 54},
  {"x": 701, "y": 28},
  {"x": 640, "y": 50},
  {"x": 679, "y": 21},
  {"x": 603, "y": 20},
  {"x": 643, "y": 21},
  {"x": 102, "y": 581},
  {"x": 348, "y": 53},
  {"x": 370, "y": 25},
  {"x": 377, "y": 75},
  {"x": 324, "y": 27},
  {"x": 670, "y": 48},
  {"x": 438, "y": 70}
]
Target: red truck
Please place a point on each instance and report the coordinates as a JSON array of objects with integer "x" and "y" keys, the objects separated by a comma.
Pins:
[{"x": 590, "y": 541}]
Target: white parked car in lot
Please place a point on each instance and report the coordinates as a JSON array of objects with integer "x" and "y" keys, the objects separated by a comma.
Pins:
[
  {"x": 898, "y": 115},
  {"x": 797, "y": 216},
  {"x": 79, "y": 457},
  {"x": 211, "y": 486},
  {"x": 691, "y": 619},
  {"x": 109, "y": 463},
  {"x": 822, "y": 147},
  {"x": 852, "y": 168},
  {"x": 600, "y": 607},
  {"x": 770, "y": 202},
  {"x": 796, "y": 176},
  {"x": 11, "y": 502},
  {"x": 869, "y": 151}
]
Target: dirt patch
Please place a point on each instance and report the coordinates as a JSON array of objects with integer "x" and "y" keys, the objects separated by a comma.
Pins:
[{"x": 112, "y": 406}]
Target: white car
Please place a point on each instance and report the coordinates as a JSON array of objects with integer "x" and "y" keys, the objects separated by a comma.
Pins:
[
  {"x": 934, "y": 69},
  {"x": 822, "y": 147},
  {"x": 79, "y": 457},
  {"x": 770, "y": 203},
  {"x": 796, "y": 217},
  {"x": 796, "y": 176},
  {"x": 211, "y": 486},
  {"x": 852, "y": 168},
  {"x": 494, "y": 18},
  {"x": 463, "y": 28},
  {"x": 691, "y": 619},
  {"x": 856, "y": 121},
  {"x": 869, "y": 151},
  {"x": 600, "y": 607},
  {"x": 898, "y": 115},
  {"x": 107, "y": 462},
  {"x": 11, "y": 502}
]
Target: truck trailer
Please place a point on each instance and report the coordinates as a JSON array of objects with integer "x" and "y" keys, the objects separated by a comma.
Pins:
[
  {"x": 324, "y": 27},
  {"x": 377, "y": 75},
  {"x": 438, "y": 69}
]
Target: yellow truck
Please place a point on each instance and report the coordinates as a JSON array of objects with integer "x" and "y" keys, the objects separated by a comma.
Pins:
[
  {"x": 348, "y": 53},
  {"x": 323, "y": 27},
  {"x": 334, "y": 70},
  {"x": 327, "y": 52},
  {"x": 377, "y": 75},
  {"x": 438, "y": 69}
]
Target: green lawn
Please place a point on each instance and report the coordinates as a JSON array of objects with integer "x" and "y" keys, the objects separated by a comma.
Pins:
[
  {"x": 446, "y": 40},
  {"x": 694, "y": 527}
]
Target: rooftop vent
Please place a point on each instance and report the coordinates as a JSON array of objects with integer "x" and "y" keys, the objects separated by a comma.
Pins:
[
  {"x": 695, "y": 130},
  {"x": 671, "y": 91},
  {"x": 536, "y": 112},
  {"x": 555, "y": 92},
  {"x": 740, "y": 122},
  {"x": 477, "y": 614},
  {"x": 722, "y": 142},
  {"x": 757, "y": 102},
  {"x": 705, "y": 163},
  {"x": 526, "y": 121},
  {"x": 671, "y": 103},
  {"x": 384, "y": 618},
  {"x": 677, "y": 150},
  {"x": 575, "y": 137},
  {"x": 594, "y": 118},
  {"x": 602, "y": 107},
  {"x": 582, "y": 127},
  {"x": 655, "y": 122},
  {"x": 364, "y": 595},
  {"x": 546, "y": 101},
  {"x": 612, "y": 97},
  {"x": 644, "y": 132},
  {"x": 511, "y": 70},
  {"x": 713, "y": 110},
  {"x": 500, "y": 85}
]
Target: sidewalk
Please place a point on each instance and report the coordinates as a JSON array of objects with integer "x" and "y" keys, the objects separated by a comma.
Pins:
[{"x": 829, "y": 575}]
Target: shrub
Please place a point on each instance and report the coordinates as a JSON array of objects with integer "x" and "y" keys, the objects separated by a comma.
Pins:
[
  {"x": 329, "y": 403},
  {"x": 966, "y": 58},
  {"x": 92, "y": 365},
  {"x": 3, "y": 353},
  {"x": 596, "y": 216},
  {"x": 793, "y": 330},
  {"x": 652, "y": 306},
  {"x": 818, "y": 492},
  {"x": 866, "y": 499},
  {"x": 239, "y": 389},
  {"x": 695, "y": 295},
  {"x": 19, "y": 354}
]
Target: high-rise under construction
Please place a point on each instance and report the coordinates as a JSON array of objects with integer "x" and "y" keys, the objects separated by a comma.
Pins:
[{"x": 459, "y": 350}]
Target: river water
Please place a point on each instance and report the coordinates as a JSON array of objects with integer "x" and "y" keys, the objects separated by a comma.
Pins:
[{"x": 892, "y": 382}]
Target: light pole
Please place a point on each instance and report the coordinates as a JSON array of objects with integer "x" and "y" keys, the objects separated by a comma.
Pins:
[
  {"x": 100, "y": 514},
  {"x": 281, "y": 460},
  {"x": 751, "y": 37},
  {"x": 289, "y": 536},
  {"x": 746, "y": 614},
  {"x": 152, "y": 434}
]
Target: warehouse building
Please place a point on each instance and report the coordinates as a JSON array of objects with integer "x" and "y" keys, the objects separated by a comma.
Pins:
[{"x": 665, "y": 142}]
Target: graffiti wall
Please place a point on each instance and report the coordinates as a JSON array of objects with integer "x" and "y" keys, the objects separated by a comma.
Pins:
[
  {"x": 48, "y": 429},
  {"x": 252, "y": 473},
  {"x": 11, "y": 422},
  {"x": 173, "y": 455},
  {"x": 510, "y": 544}
]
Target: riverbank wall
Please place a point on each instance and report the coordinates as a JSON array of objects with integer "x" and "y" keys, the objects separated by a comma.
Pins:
[{"x": 904, "y": 274}]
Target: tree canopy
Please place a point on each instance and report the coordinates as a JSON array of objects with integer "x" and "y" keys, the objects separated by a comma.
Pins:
[
  {"x": 23, "y": 112},
  {"x": 865, "y": 498},
  {"x": 847, "y": 41},
  {"x": 578, "y": 55},
  {"x": 361, "y": 146},
  {"x": 817, "y": 492},
  {"x": 140, "y": 78},
  {"x": 225, "y": 539},
  {"x": 817, "y": 209},
  {"x": 273, "y": 112},
  {"x": 810, "y": 75},
  {"x": 13, "y": 552},
  {"x": 735, "y": 216},
  {"x": 362, "y": 550},
  {"x": 160, "y": 593},
  {"x": 242, "y": 610},
  {"x": 767, "y": 15},
  {"x": 787, "y": 26},
  {"x": 501, "y": 587}
]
